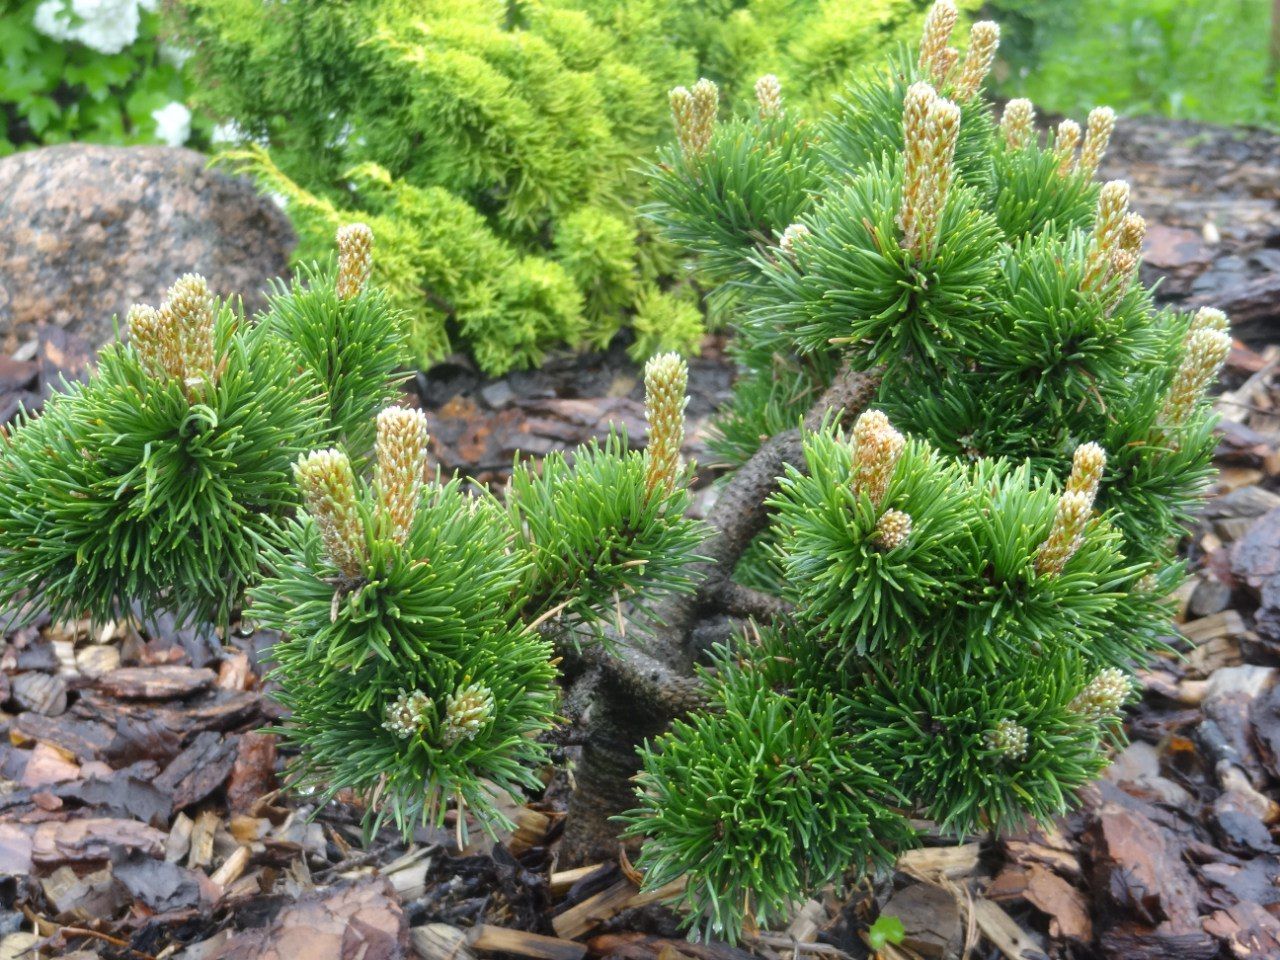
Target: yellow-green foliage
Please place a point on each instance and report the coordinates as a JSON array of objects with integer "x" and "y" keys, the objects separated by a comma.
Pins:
[
  {"x": 665, "y": 320},
  {"x": 812, "y": 46},
  {"x": 493, "y": 145}
]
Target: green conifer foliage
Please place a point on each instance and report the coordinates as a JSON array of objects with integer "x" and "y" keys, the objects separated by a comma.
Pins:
[
  {"x": 414, "y": 663},
  {"x": 975, "y": 567},
  {"x": 155, "y": 485},
  {"x": 491, "y": 145}
]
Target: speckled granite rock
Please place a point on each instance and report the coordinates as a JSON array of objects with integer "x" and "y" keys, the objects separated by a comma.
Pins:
[{"x": 85, "y": 231}]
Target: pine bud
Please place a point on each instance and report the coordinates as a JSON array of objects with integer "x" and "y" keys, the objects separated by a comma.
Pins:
[
  {"x": 930, "y": 127},
  {"x": 1206, "y": 351},
  {"x": 1113, "y": 208},
  {"x": 877, "y": 447},
  {"x": 1108, "y": 227},
  {"x": 355, "y": 259},
  {"x": 984, "y": 38},
  {"x": 1017, "y": 123},
  {"x": 1209, "y": 318},
  {"x": 1133, "y": 231},
  {"x": 188, "y": 310},
  {"x": 1119, "y": 275},
  {"x": 1104, "y": 695},
  {"x": 1065, "y": 535},
  {"x": 154, "y": 339},
  {"x": 946, "y": 63},
  {"x": 1064, "y": 146},
  {"x": 329, "y": 492},
  {"x": 769, "y": 97},
  {"x": 666, "y": 378},
  {"x": 938, "y": 24},
  {"x": 893, "y": 529},
  {"x": 408, "y": 714},
  {"x": 1087, "y": 465},
  {"x": 915, "y": 116},
  {"x": 402, "y": 456},
  {"x": 1009, "y": 739},
  {"x": 694, "y": 112},
  {"x": 706, "y": 102},
  {"x": 466, "y": 713},
  {"x": 1102, "y": 121},
  {"x": 791, "y": 236},
  {"x": 682, "y": 115}
]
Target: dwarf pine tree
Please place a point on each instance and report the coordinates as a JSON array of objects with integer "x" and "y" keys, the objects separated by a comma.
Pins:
[
  {"x": 413, "y": 662},
  {"x": 155, "y": 485},
  {"x": 971, "y": 571}
]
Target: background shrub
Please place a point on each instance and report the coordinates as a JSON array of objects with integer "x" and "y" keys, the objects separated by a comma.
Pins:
[
  {"x": 493, "y": 145},
  {"x": 1203, "y": 59}
]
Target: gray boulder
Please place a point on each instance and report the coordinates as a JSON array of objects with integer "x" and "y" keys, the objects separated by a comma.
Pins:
[{"x": 86, "y": 231}]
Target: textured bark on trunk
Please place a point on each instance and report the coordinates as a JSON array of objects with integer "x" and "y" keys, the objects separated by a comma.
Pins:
[{"x": 642, "y": 685}]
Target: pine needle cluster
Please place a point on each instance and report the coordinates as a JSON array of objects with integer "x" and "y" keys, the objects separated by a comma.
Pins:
[
  {"x": 414, "y": 661},
  {"x": 155, "y": 485},
  {"x": 976, "y": 567}
]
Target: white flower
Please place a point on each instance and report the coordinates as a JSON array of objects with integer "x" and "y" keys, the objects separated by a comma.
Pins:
[
  {"x": 173, "y": 124},
  {"x": 174, "y": 55},
  {"x": 228, "y": 132},
  {"x": 107, "y": 26}
]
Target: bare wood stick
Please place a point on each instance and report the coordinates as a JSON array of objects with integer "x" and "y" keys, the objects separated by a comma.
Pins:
[
  {"x": 562, "y": 881},
  {"x": 595, "y": 910},
  {"x": 501, "y": 940}
]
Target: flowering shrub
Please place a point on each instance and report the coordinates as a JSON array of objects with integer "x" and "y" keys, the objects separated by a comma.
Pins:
[{"x": 89, "y": 70}]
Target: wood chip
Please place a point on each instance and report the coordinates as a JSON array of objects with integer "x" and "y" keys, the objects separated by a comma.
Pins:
[
  {"x": 200, "y": 769},
  {"x": 81, "y": 897},
  {"x": 594, "y": 911},
  {"x": 202, "y": 834},
  {"x": 94, "y": 838},
  {"x": 930, "y": 919},
  {"x": 235, "y": 672},
  {"x": 1004, "y": 933},
  {"x": 179, "y": 841},
  {"x": 440, "y": 941},
  {"x": 531, "y": 831},
  {"x": 562, "y": 880},
  {"x": 42, "y": 693},
  {"x": 486, "y": 937},
  {"x": 348, "y": 921},
  {"x": 94, "y": 661},
  {"x": 809, "y": 919},
  {"x": 932, "y": 863},
  {"x": 665, "y": 892},
  {"x": 1065, "y": 906},
  {"x": 1228, "y": 623},
  {"x": 230, "y": 871},
  {"x": 48, "y": 765},
  {"x": 155, "y": 683}
]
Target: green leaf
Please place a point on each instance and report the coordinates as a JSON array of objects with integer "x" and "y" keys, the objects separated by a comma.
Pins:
[{"x": 886, "y": 929}]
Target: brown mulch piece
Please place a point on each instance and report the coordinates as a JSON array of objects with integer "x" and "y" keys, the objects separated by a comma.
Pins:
[
  {"x": 142, "y": 809},
  {"x": 480, "y": 427}
]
